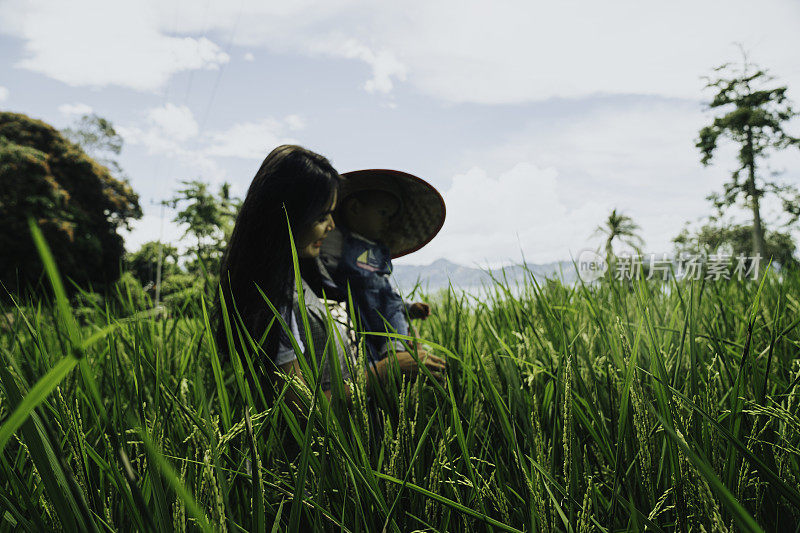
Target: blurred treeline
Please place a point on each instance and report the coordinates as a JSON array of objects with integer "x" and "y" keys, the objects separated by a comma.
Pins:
[{"x": 70, "y": 183}]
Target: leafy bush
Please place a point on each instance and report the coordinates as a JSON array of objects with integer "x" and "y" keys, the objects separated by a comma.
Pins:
[{"x": 76, "y": 201}]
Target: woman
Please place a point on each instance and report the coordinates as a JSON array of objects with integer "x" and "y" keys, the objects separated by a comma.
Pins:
[{"x": 300, "y": 187}]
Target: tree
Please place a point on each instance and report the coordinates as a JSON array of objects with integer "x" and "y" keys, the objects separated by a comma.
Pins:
[
  {"x": 620, "y": 227},
  {"x": 76, "y": 201},
  {"x": 753, "y": 117},
  {"x": 209, "y": 219},
  {"x": 143, "y": 263},
  {"x": 735, "y": 240},
  {"x": 99, "y": 140}
]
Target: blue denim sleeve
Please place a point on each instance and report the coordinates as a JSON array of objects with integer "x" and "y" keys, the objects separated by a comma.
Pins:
[{"x": 395, "y": 309}]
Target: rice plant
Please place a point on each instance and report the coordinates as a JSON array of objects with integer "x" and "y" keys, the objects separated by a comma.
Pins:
[{"x": 602, "y": 407}]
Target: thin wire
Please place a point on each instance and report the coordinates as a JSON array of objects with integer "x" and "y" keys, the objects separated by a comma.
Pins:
[
  {"x": 164, "y": 98},
  {"x": 171, "y": 163},
  {"x": 222, "y": 68}
]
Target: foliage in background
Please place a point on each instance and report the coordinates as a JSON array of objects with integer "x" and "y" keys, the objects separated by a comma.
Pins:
[
  {"x": 76, "y": 200},
  {"x": 209, "y": 221},
  {"x": 144, "y": 262},
  {"x": 753, "y": 117},
  {"x": 735, "y": 240},
  {"x": 208, "y": 218},
  {"x": 622, "y": 228},
  {"x": 178, "y": 286},
  {"x": 98, "y": 138}
]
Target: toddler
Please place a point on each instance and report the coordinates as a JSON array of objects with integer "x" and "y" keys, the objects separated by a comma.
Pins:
[{"x": 356, "y": 255}]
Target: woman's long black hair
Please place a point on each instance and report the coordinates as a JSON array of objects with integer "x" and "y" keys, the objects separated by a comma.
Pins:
[{"x": 291, "y": 181}]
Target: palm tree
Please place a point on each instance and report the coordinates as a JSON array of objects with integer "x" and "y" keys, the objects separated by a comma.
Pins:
[{"x": 620, "y": 227}]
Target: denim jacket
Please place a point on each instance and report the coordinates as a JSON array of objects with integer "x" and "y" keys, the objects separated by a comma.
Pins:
[{"x": 366, "y": 265}]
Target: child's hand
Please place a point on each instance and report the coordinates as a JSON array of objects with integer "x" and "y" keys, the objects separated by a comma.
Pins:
[{"x": 419, "y": 310}]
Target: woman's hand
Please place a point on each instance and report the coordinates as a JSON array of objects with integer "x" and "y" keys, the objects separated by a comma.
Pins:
[
  {"x": 408, "y": 365},
  {"x": 379, "y": 371}
]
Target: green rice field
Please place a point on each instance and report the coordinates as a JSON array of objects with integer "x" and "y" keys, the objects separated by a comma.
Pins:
[{"x": 605, "y": 407}]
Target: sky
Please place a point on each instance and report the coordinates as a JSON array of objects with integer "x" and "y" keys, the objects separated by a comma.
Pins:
[{"x": 533, "y": 119}]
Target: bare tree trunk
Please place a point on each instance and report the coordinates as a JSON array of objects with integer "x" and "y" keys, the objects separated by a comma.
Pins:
[{"x": 758, "y": 230}]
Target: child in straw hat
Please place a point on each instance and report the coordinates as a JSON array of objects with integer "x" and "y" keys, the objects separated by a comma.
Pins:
[{"x": 382, "y": 214}]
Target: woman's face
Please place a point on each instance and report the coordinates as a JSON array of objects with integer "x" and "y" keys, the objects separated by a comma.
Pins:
[{"x": 309, "y": 241}]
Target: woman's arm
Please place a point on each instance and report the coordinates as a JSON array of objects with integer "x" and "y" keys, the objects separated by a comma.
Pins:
[{"x": 377, "y": 374}]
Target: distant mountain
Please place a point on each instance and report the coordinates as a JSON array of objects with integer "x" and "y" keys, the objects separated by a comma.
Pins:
[{"x": 439, "y": 274}]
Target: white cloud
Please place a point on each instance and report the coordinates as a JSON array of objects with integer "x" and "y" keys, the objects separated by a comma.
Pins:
[
  {"x": 295, "y": 122},
  {"x": 616, "y": 145},
  {"x": 171, "y": 130},
  {"x": 249, "y": 57},
  {"x": 513, "y": 52},
  {"x": 76, "y": 109},
  {"x": 95, "y": 43},
  {"x": 158, "y": 144},
  {"x": 384, "y": 63},
  {"x": 547, "y": 187},
  {"x": 252, "y": 140},
  {"x": 508, "y": 51},
  {"x": 174, "y": 121},
  {"x": 163, "y": 130},
  {"x": 3, "y": 94},
  {"x": 497, "y": 218}
]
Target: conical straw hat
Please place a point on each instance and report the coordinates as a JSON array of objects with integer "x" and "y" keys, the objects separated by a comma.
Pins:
[{"x": 421, "y": 214}]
